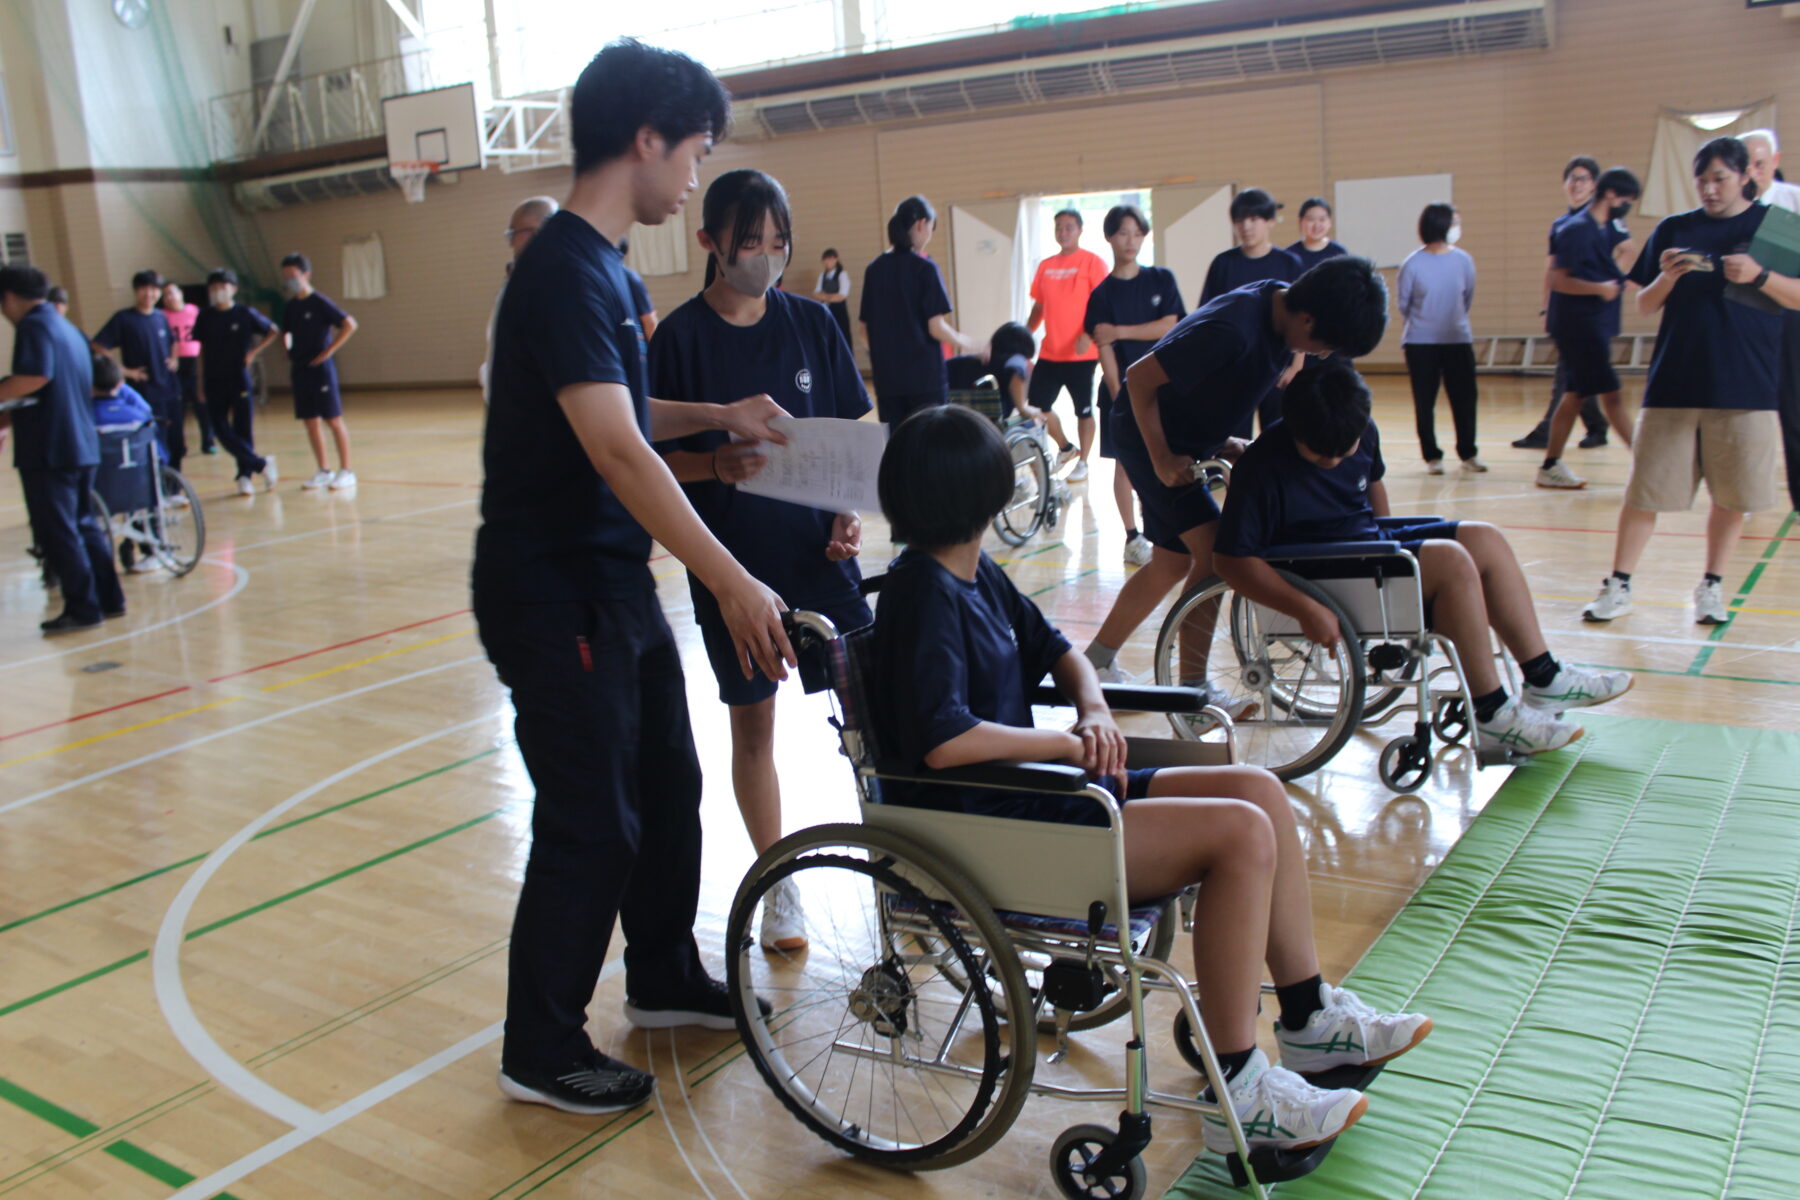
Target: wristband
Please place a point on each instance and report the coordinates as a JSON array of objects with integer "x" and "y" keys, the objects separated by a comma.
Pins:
[{"x": 1758, "y": 282}]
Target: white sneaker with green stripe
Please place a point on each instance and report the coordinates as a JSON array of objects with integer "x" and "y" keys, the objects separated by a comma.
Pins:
[
  {"x": 1525, "y": 729},
  {"x": 1279, "y": 1109},
  {"x": 1572, "y": 687},
  {"x": 1346, "y": 1032}
]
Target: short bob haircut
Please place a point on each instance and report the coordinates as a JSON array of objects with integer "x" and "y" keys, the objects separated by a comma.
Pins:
[
  {"x": 1116, "y": 215},
  {"x": 298, "y": 261},
  {"x": 108, "y": 374},
  {"x": 1620, "y": 182},
  {"x": 1009, "y": 340},
  {"x": 628, "y": 86},
  {"x": 147, "y": 278},
  {"x": 1435, "y": 222},
  {"x": 1348, "y": 302},
  {"x": 1072, "y": 215},
  {"x": 1312, "y": 202},
  {"x": 1254, "y": 202},
  {"x": 945, "y": 474},
  {"x": 1326, "y": 408},
  {"x": 27, "y": 283}
]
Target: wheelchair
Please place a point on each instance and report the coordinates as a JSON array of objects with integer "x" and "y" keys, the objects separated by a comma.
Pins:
[
  {"x": 135, "y": 496},
  {"x": 943, "y": 944},
  {"x": 1301, "y": 701},
  {"x": 1038, "y": 496}
]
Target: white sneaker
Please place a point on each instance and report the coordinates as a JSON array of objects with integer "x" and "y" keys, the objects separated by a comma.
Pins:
[
  {"x": 320, "y": 478},
  {"x": 1709, "y": 604},
  {"x": 1434, "y": 466},
  {"x": 1573, "y": 687},
  {"x": 1065, "y": 457},
  {"x": 1559, "y": 476},
  {"x": 1138, "y": 551},
  {"x": 1348, "y": 1033},
  {"x": 245, "y": 487},
  {"x": 343, "y": 480},
  {"x": 270, "y": 473},
  {"x": 1114, "y": 673},
  {"x": 1523, "y": 729},
  {"x": 1614, "y": 600},
  {"x": 175, "y": 500},
  {"x": 1080, "y": 471},
  {"x": 1237, "y": 708},
  {"x": 783, "y": 924},
  {"x": 1279, "y": 1109},
  {"x": 1474, "y": 466}
]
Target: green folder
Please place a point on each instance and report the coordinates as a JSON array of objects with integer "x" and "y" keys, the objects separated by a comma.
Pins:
[{"x": 1777, "y": 247}]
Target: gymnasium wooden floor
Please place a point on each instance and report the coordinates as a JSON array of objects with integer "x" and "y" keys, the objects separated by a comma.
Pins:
[{"x": 259, "y": 841}]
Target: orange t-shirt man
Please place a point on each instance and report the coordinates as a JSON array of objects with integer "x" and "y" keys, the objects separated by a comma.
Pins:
[{"x": 1061, "y": 289}]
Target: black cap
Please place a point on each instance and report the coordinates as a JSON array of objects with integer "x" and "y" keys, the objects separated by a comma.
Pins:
[
  {"x": 146, "y": 279},
  {"x": 222, "y": 275}
]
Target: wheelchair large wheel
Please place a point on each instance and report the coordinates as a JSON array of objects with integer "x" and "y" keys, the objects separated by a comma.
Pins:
[
  {"x": 98, "y": 506},
  {"x": 1295, "y": 703},
  {"x": 181, "y": 538},
  {"x": 1028, "y": 509},
  {"x": 876, "y": 1042}
]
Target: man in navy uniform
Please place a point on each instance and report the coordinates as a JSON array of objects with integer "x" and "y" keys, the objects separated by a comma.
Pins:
[
  {"x": 231, "y": 335},
  {"x": 145, "y": 344}
]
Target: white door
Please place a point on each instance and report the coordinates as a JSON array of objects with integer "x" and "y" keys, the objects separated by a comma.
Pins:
[{"x": 1193, "y": 225}]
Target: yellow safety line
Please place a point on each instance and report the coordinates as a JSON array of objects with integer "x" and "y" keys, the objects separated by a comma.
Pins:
[
  {"x": 276, "y": 687},
  {"x": 101, "y": 737}
]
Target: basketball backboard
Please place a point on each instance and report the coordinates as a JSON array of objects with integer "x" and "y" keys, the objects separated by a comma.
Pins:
[{"x": 440, "y": 126}]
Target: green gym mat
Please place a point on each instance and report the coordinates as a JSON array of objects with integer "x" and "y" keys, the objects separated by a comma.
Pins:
[{"x": 1609, "y": 955}]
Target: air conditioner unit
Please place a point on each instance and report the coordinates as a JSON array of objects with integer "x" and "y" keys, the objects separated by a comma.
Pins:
[{"x": 302, "y": 187}]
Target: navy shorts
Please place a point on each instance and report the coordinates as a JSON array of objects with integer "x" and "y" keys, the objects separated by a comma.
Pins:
[
  {"x": 1050, "y": 378},
  {"x": 895, "y": 408},
  {"x": 316, "y": 392},
  {"x": 734, "y": 689},
  {"x": 1066, "y": 810},
  {"x": 1416, "y": 535},
  {"x": 1109, "y": 445},
  {"x": 1587, "y": 368},
  {"x": 1168, "y": 511}
]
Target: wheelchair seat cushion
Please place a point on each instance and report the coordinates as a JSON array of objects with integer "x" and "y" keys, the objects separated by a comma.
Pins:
[{"x": 1142, "y": 920}]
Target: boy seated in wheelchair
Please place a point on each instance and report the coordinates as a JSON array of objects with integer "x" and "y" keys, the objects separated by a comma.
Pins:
[
  {"x": 1008, "y": 360},
  {"x": 117, "y": 407},
  {"x": 958, "y": 649},
  {"x": 1315, "y": 477}
]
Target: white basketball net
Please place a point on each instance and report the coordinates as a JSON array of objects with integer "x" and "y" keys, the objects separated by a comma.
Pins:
[{"x": 411, "y": 177}]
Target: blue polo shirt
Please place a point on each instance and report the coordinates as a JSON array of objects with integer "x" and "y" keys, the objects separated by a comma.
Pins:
[
  {"x": 1148, "y": 296},
  {"x": 1221, "y": 359},
  {"x": 901, "y": 292},
  {"x": 951, "y": 653},
  {"x": 1233, "y": 269},
  {"x": 123, "y": 410},
  {"x": 551, "y": 528},
  {"x": 56, "y": 433},
  {"x": 308, "y": 323},
  {"x": 1278, "y": 498},
  {"x": 797, "y": 356},
  {"x": 1312, "y": 258},
  {"x": 1710, "y": 352},
  {"x": 1584, "y": 248},
  {"x": 226, "y": 335},
  {"x": 143, "y": 340}
]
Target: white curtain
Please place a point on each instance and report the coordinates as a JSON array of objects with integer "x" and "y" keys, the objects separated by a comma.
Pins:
[
  {"x": 365, "y": 268},
  {"x": 659, "y": 249},
  {"x": 1669, "y": 188}
]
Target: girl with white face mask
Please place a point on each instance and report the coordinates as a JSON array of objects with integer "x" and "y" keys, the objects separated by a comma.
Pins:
[
  {"x": 1435, "y": 288},
  {"x": 743, "y": 336}
]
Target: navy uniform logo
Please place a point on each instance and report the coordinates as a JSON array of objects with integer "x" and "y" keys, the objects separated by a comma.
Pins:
[
  {"x": 803, "y": 380},
  {"x": 1362, "y": 484},
  {"x": 1156, "y": 299}
]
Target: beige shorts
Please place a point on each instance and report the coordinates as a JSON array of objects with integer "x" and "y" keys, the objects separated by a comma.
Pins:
[{"x": 1733, "y": 449}]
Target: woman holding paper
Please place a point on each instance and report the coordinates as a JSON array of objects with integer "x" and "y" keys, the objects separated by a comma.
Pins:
[{"x": 742, "y": 336}]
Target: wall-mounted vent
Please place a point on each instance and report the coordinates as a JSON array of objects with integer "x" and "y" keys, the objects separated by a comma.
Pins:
[{"x": 15, "y": 250}]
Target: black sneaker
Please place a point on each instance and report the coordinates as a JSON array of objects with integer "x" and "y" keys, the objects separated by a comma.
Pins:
[
  {"x": 67, "y": 623},
  {"x": 113, "y": 614},
  {"x": 1537, "y": 439},
  {"x": 1593, "y": 441},
  {"x": 706, "y": 1004},
  {"x": 598, "y": 1084}
]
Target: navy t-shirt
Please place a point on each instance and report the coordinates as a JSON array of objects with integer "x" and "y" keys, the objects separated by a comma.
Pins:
[
  {"x": 551, "y": 528},
  {"x": 796, "y": 355},
  {"x": 1221, "y": 359},
  {"x": 1277, "y": 498},
  {"x": 309, "y": 323},
  {"x": 901, "y": 293},
  {"x": 58, "y": 431},
  {"x": 1312, "y": 258},
  {"x": 951, "y": 653},
  {"x": 1584, "y": 249},
  {"x": 1232, "y": 269},
  {"x": 966, "y": 370},
  {"x": 640, "y": 295},
  {"x": 1710, "y": 352},
  {"x": 1148, "y": 296},
  {"x": 143, "y": 340},
  {"x": 226, "y": 335}
]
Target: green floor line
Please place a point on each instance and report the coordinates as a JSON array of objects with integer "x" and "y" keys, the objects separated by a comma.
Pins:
[
  {"x": 126, "y": 1152},
  {"x": 270, "y": 832},
  {"x": 566, "y": 1150},
  {"x": 1705, "y": 653},
  {"x": 645, "y": 1116},
  {"x": 1689, "y": 674},
  {"x": 1059, "y": 583}
]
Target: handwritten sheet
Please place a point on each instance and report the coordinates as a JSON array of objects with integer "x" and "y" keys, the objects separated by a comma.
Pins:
[{"x": 828, "y": 463}]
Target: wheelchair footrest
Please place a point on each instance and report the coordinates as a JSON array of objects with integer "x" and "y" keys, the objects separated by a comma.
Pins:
[
  {"x": 1279, "y": 1166},
  {"x": 1500, "y": 756}
]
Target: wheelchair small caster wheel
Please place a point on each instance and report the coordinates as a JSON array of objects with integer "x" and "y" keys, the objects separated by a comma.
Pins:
[
  {"x": 1072, "y": 1160},
  {"x": 1452, "y": 720},
  {"x": 1404, "y": 764},
  {"x": 127, "y": 555},
  {"x": 1186, "y": 1046}
]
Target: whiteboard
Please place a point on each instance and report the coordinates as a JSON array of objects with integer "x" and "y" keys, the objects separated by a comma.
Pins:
[{"x": 1379, "y": 218}]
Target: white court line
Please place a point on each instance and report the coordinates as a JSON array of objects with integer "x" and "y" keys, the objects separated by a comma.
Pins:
[
  {"x": 165, "y": 959},
  {"x": 1542, "y": 493},
  {"x": 681, "y": 1083},
  {"x": 650, "y": 1064},
  {"x": 243, "y": 579},
  {"x": 294, "y": 537},
  {"x": 1696, "y": 643},
  {"x": 204, "y": 738}
]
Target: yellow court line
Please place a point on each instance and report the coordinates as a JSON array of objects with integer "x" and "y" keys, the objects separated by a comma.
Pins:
[
  {"x": 276, "y": 687},
  {"x": 101, "y": 737}
]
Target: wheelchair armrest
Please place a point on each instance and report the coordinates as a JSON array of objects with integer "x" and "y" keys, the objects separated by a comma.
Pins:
[
  {"x": 1330, "y": 550},
  {"x": 1124, "y": 697},
  {"x": 1024, "y": 777},
  {"x": 1399, "y": 523}
]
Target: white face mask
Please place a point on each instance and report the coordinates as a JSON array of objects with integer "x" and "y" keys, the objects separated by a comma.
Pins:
[
  {"x": 753, "y": 274},
  {"x": 220, "y": 297},
  {"x": 1455, "y": 235},
  {"x": 291, "y": 286}
]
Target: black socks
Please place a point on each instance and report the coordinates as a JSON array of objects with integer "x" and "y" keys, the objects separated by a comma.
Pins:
[
  {"x": 1131, "y": 535},
  {"x": 1549, "y": 462},
  {"x": 1486, "y": 706},
  {"x": 1299, "y": 1001},
  {"x": 1623, "y": 577},
  {"x": 1709, "y": 577},
  {"x": 1541, "y": 670}
]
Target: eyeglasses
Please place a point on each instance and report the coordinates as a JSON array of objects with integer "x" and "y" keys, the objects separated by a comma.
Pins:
[{"x": 510, "y": 234}]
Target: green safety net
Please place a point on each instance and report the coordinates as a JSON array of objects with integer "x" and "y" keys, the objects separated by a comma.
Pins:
[{"x": 1609, "y": 955}]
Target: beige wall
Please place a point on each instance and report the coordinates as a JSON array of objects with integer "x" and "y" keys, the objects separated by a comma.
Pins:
[{"x": 1502, "y": 126}]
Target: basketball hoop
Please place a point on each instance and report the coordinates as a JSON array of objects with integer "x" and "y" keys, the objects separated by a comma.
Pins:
[{"x": 411, "y": 176}]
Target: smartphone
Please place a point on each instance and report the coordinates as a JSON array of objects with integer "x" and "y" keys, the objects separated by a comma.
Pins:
[{"x": 1700, "y": 261}]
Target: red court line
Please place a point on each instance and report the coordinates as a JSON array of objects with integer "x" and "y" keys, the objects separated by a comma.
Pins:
[{"x": 96, "y": 713}]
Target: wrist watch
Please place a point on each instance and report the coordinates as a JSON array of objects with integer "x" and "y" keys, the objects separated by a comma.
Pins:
[{"x": 1760, "y": 279}]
